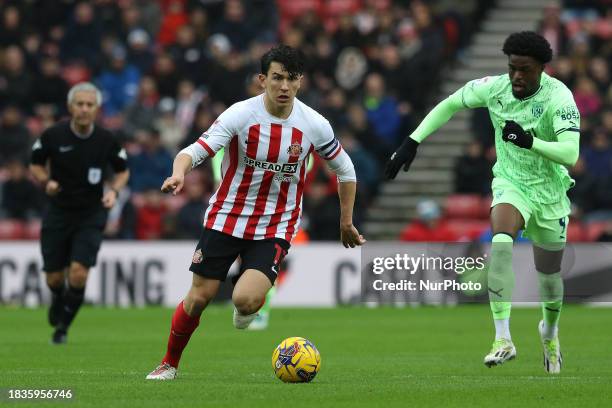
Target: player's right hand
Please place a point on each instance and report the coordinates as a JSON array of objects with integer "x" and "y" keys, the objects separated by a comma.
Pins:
[
  {"x": 350, "y": 237},
  {"x": 173, "y": 184},
  {"x": 52, "y": 188},
  {"x": 403, "y": 156}
]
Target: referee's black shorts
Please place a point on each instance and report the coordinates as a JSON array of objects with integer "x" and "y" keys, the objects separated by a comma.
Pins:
[
  {"x": 216, "y": 252},
  {"x": 71, "y": 235}
]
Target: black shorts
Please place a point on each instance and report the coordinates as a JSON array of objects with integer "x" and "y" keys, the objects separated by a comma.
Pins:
[
  {"x": 71, "y": 235},
  {"x": 216, "y": 252}
]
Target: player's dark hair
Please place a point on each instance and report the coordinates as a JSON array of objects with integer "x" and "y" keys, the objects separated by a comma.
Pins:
[
  {"x": 290, "y": 58},
  {"x": 528, "y": 44}
]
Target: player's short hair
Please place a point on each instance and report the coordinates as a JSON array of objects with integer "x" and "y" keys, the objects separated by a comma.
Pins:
[
  {"x": 84, "y": 86},
  {"x": 290, "y": 58},
  {"x": 528, "y": 44}
]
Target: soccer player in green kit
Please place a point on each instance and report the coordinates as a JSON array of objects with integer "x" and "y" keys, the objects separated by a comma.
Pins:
[{"x": 537, "y": 126}]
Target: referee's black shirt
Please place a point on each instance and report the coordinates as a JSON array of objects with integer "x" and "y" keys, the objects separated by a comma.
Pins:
[{"x": 78, "y": 164}]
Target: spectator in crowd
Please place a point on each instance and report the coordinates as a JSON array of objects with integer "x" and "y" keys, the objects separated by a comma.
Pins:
[
  {"x": 140, "y": 53},
  {"x": 366, "y": 167},
  {"x": 598, "y": 155},
  {"x": 174, "y": 16},
  {"x": 473, "y": 173},
  {"x": 563, "y": 70},
  {"x": 551, "y": 27},
  {"x": 166, "y": 75},
  {"x": 190, "y": 216},
  {"x": 49, "y": 88},
  {"x": 333, "y": 107},
  {"x": 586, "y": 96},
  {"x": 321, "y": 209},
  {"x": 118, "y": 83},
  {"x": 347, "y": 34},
  {"x": 11, "y": 29},
  {"x": 235, "y": 25},
  {"x": 189, "y": 55},
  {"x": 170, "y": 131},
  {"x": 14, "y": 136},
  {"x": 382, "y": 112},
  {"x": 121, "y": 222},
  {"x": 228, "y": 77},
  {"x": 151, "y": 164},
  {"x": 198, "y": 19},
  {"x": 21, "y": 199},
  {"x": 482, "y": 128},
  {"x": 583, "y": 193},
  {"x": 357, "y": 123},
  {"x": 144, "y": 109},
  {"x": 606, "y": 234},
  {"x": 15, "y": 79},
  {"x": 428, "y": 225},
  {"x": 202, "y": 121},
  {"x": 81, "y": 41},
  {"x": 150, "y": 216},
  {"x": 599, "y": 72},
  {"x": 188, "y": 100}
]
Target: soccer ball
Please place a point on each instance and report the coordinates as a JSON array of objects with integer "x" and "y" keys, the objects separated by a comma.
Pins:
[{"x": 296, "y": 360}]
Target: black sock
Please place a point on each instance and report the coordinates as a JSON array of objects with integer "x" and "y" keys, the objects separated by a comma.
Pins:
[
  {"x": 56, "y": 292},
  {"x": 73, "y": 299}
]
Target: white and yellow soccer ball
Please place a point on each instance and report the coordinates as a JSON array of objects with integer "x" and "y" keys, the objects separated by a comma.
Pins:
[{"x": 296, "y": 359}]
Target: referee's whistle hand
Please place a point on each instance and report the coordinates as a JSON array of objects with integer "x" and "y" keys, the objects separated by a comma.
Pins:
[{"x": 173, "y": 184}]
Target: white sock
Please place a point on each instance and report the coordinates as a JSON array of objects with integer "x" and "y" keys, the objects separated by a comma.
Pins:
[
  {"x": 502, "y": 329},
  {"x": 549, "y": 331}
]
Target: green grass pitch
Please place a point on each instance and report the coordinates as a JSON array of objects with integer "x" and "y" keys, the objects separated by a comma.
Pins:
[{"x": 387, "y": 357}]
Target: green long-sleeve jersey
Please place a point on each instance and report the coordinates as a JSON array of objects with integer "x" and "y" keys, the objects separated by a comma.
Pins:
[{"x": 550, "y": 115}]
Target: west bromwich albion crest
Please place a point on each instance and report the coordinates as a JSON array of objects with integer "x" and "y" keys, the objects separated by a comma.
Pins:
[{"x": 537, "y": 109}]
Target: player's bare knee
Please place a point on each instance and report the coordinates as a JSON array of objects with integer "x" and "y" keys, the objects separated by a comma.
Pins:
[
  {"x": 55, "y": 279},
  {"x": 77, "y": 275},
  {"x": 247, "y": 303},
  {"x": 199, "y": 299},
  {"x": 194, "y": 305}
]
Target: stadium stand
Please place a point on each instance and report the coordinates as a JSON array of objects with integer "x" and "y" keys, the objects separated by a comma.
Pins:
[{"x": 169, "y": 67}]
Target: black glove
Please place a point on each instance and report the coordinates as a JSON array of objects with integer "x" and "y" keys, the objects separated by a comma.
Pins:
[
  {"x": 514, "y": 133},
  {"x": 404, "y": 155}
]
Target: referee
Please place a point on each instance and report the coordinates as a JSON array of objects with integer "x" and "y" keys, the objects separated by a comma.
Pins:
[{"x": 71, "y": 160}]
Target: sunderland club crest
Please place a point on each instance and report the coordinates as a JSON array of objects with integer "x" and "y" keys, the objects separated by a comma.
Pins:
[
  {"x": 295, "y": 150},
  {"x": 197, "y": 257}
]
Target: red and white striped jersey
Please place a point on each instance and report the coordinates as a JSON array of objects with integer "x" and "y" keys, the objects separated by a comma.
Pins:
[{"x": 264, "y": 166}]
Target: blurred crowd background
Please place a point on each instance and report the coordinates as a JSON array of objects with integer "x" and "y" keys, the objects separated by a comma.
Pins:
[{"x": 168, "y": 68}]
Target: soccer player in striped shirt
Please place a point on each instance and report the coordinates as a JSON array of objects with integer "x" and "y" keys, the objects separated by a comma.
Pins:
[
  {"x": 256, "y": 210},
  {"x": 537, "y": 126}
]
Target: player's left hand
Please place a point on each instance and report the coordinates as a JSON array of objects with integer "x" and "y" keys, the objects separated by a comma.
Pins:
[
  {"x": 403, "y": 156},
  {"x": 109, "y": 199},
  {"x": 514, "y": 133},
  {"x": 350, "y": 237}
]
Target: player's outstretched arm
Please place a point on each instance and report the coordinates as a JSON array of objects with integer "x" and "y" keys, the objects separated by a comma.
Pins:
[
  {"x": 565, "y": 151},
  {"x": 182, "y": 164},
  {"x": 438, "y": 116},
  {"x": 349, "y": 235}
]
